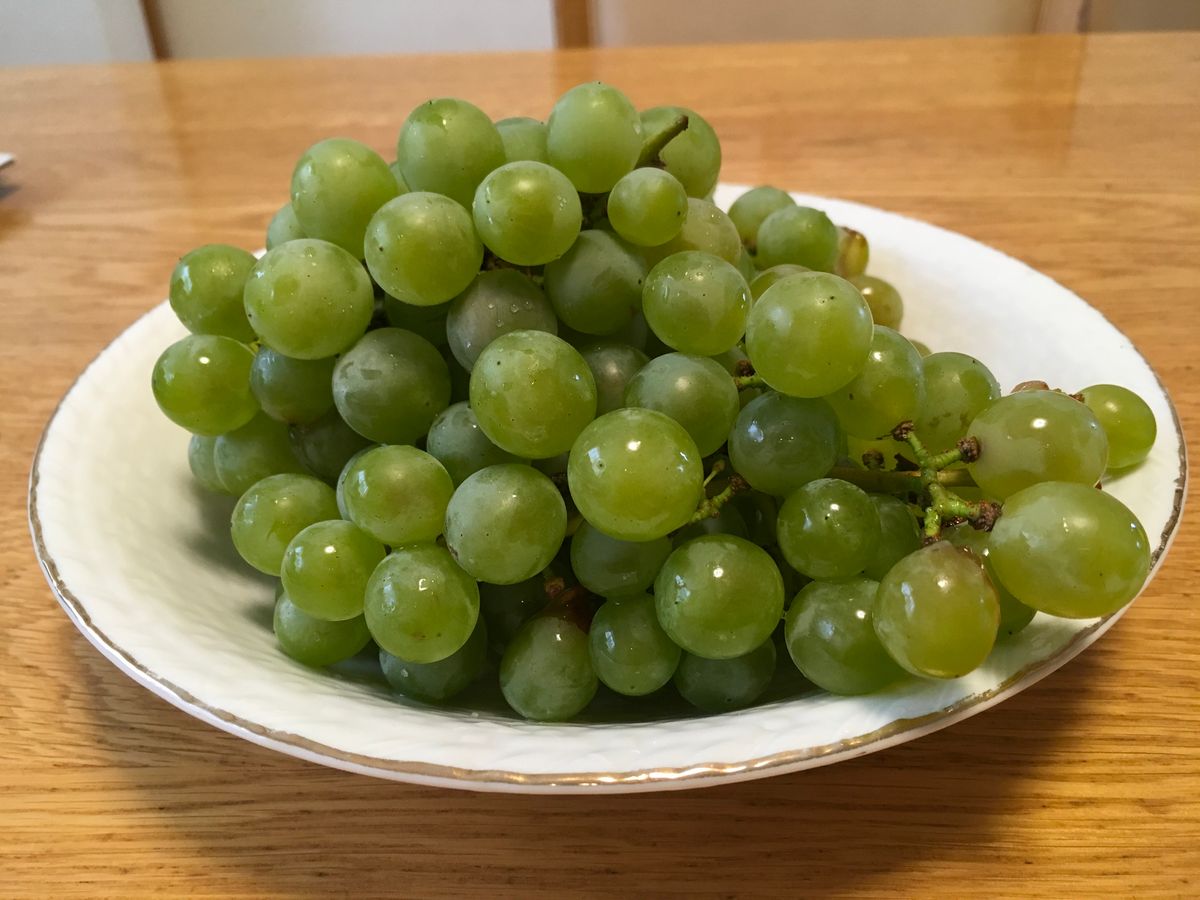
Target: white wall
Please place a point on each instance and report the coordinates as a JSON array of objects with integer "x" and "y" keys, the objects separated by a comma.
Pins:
[{"x": 34, "y": 32}]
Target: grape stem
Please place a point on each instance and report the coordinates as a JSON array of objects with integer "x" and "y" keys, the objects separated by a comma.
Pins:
[
  {"x": 745, "y": 382},
  {"x": 944, "y": 505},
  {"x": 710, "y": 507},
  {"x": 657, "y": 142}
]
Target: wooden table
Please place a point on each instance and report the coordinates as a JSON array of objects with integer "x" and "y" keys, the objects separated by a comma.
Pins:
[{"x": 1079, "y": 155}]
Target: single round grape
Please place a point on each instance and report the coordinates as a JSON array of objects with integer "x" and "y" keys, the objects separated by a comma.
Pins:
[
  {"x": 505, "y": 523},
  {"x": 1014, "y": 615},
  {"x": 437, "y": 682},
  {"x": 751, "y": 208},
  {"x": 1036, "y": 436},
  {"x": 1127, "y": 421},
  {"x": 936, "y": 612},
  {"x": 506, "y": 607},
  {"x": 648, "y": 207},
  {"x": 635, "y": 474},
  {"x": 202, "y": 383},
  {"x": 889, "y": 390},
  {"x": 523, "y": 138},
  {"x": 809, "y": 334},
  {"x": 203, "y": 465},
  {"x": 831, "y": 637},
  {"x": 496, "y": 303},
  {"x": 779, "y": 443},
  {"x": 326, "y": 445},
  {"x": 251, "y": 453},
  {"x": 427, "y": 321},
  {"x": 723, "y": 685},
  {"x": 610, "y": 567},
  {"x": 292, "y": 390},
  {"x": 957, "y": 389},
  {"x": 313, "y": 641},
  {"x": 396, "y": 494},
  {"x": 546, "y": 672},
  {"x": 922, "y": 347},
  {"x": 887, "y": 308},
  {"x": 422, "y": 248},
  {"x": 206, "y": 291},
  {"x": 336, "y": 187},
  {"x": 853, "y": 254},
  {"x": 274, "y": 511},
  {"x": 448, "y": 146},
  {"x": 596, "y": 286},
  {"x": 694, "y": 391},
  {"x": 326, "y": 567},
  {"x": 527, "y": 213},
  {"x": 630, "y": 651},
  {"x": 706, "y": 229},
  {"x": 532, "y": 393},
  {"x": 694, "y": 156},
  {"x": 898, "y": 535},
  {"x": 719, "y": 596},
  {"x": 593, "y": 136},
  {"x": 390, "y": 386},
  {"x": 828, "y": 528},
  {"x": 420, "y": 606},
  {"x": 696, "y": 303},
  {"x": 768, "y": 277},
  {"x": 799, "y": 235},
  {"x": 1069, "y": 550},
  {"x": 284, "y": 227},
  {"x": 458, "y": 443},
  {"x": 613, "y": 366},
  {"x": 309, "y": 299}
]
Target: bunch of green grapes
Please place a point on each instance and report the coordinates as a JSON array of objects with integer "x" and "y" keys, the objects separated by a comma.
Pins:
[{"x": 524, "y": 404}]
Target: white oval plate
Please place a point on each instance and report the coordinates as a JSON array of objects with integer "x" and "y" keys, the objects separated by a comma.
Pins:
[{"x": 141, "y": 563}]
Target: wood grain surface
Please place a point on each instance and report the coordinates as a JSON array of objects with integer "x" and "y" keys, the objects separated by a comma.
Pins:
[{"x": 1079, "y": 155}]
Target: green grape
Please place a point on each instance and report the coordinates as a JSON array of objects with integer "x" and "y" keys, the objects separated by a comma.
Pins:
[
  {"x": 745, "y": 265},
  {"x": 613, "y": 366},
  {"x": 853, "y": 254},
  {"x": 694, "y": 157},
  {"x": 202, "y": 383},
  {"x": 326, "y": 445},
  {"x": 447, "y": 146},
  {"x": 727, "y": 521},
  {"x": 593, "y": 136},
  {"x": 296, "y": 391},
  {"x": 313, "y": 641},
  {"x": 527, "y": 213},
  {"x": 1014, "y": 615},
  {"x": 889, "y": 389},
  {"x": 401, "y": 185},
  {"x": 829, "y": 528},
  {"x": 437, "y": 682},
  {"x": 390, "y": 386},
  {"x": 326, "y": 567},
  {"x": 206, "y": 291},
  {"x": 460, "y": 378},
  {"x": 898, "y": 535},
  {"x": 831, "y": 637},
  {"x": 546, "y": 672},
  {"x": 723, "y": 685},
  {"x": 957, "y": 389},
  {"x": 610, "y": 567},
  {"x": 922, "y": 348},
  {"x": 732, "y": 359},
  {"x": 505, "y": 523},
  {"x": 936, "y": 612},
  {"x": 694, "y": 391},
  {"x": 706, "y": 229},
  {"x": 274, "y": 511},
  {"x": 1127, "y": 421},
  {"x": 696, "y": 303},
  {"x": 422, "y": 248},
  {"x": 768, "y": 277},
  {"x": 532, "y": 393},
  {"x": 420, "y": 606},
  {"x": 251, "y": 453},
  {"x": 284, "y": 227},
  {"x": 630, "y": 651},
  {"x": 809, "y": 334},
  {"x": 884, "y": 300},
  {"x": 1069, "y": 550},
  {"x": 635, "y": 474},
  {"x": 719, "y": 596},
  {"x": 648, "y": 207},
  {"x": 396, "y": 494},
  {"x": 309, "y": 299},
  {"x": 336, "y": 187},
  {"x": 523, "y": 138},
  {"x": 203, "y": 465},
  {"x": 799, "y": 235},
  {"x": 596, "y": 286},
  {"x": 1036, "y": 436},
  {"x": 760, "y": 512},
  {"x": 751, "y": 208},
  {"x": 506, "y": 607},
  {"x": 496, "y": 303},
  {"x": 458, "y": 443},
  {"x": 779, "y": 443},
  {"x": 427, "y": 321}
]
